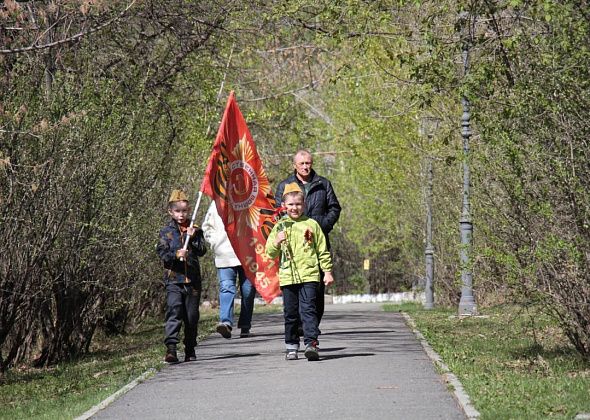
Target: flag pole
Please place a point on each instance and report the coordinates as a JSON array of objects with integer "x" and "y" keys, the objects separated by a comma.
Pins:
[
  {"x": 200, "y": 195},
  {"x": 194, "y": 216}
]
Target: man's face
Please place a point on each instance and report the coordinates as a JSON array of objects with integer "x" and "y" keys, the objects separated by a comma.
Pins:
[
  {"x": 294, "y": 205},
  {"x": 179, "y": 212},
  {"x": 302, "y": 164}
]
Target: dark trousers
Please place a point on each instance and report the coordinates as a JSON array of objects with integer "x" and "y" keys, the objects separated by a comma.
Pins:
[
  {"x": 319, "y": 301},
  {"x": 320, "y": 298},
  {"x": 299, "y": 302},
  {"x": 182, "y": 307}
]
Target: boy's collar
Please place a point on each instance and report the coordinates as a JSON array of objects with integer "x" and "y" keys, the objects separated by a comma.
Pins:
[{"x": 175, "y": 223}]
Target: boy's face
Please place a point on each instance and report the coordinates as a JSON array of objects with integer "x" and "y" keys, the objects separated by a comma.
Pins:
[
  {"x": 179, "y": 212},
  {"x": 294, "y": 205}
]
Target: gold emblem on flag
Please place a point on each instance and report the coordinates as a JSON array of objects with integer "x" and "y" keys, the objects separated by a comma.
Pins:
[{"x": 247, "y": 181}]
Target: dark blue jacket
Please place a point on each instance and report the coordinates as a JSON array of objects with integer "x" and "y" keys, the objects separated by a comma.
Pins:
[
  {"x": 176, "y": 271},
  {"x": 321, "y": 203}
]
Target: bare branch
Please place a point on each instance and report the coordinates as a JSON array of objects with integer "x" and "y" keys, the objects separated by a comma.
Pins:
[
  {"x": 69, "y": 39},
  {"x": 312, "y": 85}
]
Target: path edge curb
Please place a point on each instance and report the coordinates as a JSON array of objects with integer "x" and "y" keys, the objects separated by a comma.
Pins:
[
  {"x": 110, "y": 399},
  {"x": 449, "y": 377}
]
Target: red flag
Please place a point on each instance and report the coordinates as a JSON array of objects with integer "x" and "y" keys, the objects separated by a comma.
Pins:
[{"x": 236, "y": 180}]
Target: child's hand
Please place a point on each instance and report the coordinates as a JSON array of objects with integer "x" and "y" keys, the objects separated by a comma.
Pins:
[
  {"x": 181, "y": 254},
  {"x": 281, "y": 236},
  {"x": 191, "y": 230},
  {"x": 328, "y": 278}
]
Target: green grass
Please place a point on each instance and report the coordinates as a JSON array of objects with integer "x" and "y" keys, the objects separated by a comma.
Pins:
[
  {"x": 69, "y": 389},
  {"x": 509, "y": 369}
]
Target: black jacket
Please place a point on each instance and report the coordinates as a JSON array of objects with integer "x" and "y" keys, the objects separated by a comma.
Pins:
[
  {"x": 321, "y": 203},
  {"x": 176, "y": 271}
]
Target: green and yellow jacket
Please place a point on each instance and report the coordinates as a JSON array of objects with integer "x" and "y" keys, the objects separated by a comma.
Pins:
[{"x": 302, "y": 254}]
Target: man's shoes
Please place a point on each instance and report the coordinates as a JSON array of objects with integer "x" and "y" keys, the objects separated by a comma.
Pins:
[
  {"x": 190, "y": 355},
  {"x": 311, "y": 352},
  {"x": 171, "y": 356},
  {"x": 245, "y": 333},
  {"x": 224, "y": 330},
  {"x": 291, "y": 355}
]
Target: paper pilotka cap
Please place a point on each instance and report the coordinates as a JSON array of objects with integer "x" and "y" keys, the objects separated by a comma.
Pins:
[
  {"x": 292, "y": 187},
  {"x": 177, "y": 195}
]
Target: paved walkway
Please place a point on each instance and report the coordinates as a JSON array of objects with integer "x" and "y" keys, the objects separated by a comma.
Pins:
[{"x": 371, "y": 367}]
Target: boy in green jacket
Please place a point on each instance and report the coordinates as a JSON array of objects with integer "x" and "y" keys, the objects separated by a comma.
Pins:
[{"x": 301, "y": 246}]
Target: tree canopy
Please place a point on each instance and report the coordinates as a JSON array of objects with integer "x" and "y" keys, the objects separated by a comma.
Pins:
[{"x": 106, "y": 106}]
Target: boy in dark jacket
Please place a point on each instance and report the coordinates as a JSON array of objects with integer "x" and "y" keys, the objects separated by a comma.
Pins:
[{"x": 182, "y": 277}]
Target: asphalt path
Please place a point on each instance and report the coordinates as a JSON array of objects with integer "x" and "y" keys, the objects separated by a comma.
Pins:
[{"x": 371, "y": 367}]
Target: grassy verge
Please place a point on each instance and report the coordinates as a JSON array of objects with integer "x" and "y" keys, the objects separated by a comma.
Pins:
[
  {"x": 69, "y": 389},
  {"x": 513, "y": 365}
]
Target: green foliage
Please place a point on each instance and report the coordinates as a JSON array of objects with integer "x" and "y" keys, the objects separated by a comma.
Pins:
[
  {"x": 358, "y": 284},
  {"x": 90, "y": 147},
  {"x": 532, "y": 167},
  {"x": 95, "y": 132}
]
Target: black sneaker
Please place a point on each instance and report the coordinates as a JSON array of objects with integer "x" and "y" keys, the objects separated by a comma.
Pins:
[
  {"x": 311, "y": 352},
  {"x": 245, "y": 333},
  {"x": 171, "y": 356},
  {"x": 190, "y": 355},
  {"x": 224, "y": 330}
]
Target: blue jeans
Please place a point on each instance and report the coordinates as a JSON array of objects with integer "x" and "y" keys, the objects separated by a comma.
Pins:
[
  {"x": 299, "y": 302},
  {"x": 227, "y": 277}
]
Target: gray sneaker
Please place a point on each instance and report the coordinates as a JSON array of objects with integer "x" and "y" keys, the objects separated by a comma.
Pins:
[
  {"x": 311, "y": 353},
  {"x": 224, "y": 330},
  {"x": 291, "y": 355}
]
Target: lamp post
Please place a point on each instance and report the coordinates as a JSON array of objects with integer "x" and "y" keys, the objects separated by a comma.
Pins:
[
  {"x": 467, "y": 302},
  {"x": 428, "y": 126}
]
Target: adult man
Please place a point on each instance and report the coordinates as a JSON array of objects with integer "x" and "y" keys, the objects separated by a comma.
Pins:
[
  {"x": 229, "y": 271},
  {"x": 321, "y": 203}
]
